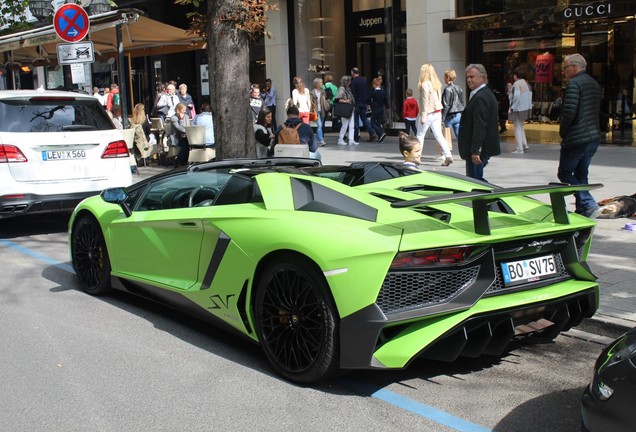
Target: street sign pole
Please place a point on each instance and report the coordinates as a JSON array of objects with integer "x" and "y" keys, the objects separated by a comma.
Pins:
[{"x": 122, "y": 75}]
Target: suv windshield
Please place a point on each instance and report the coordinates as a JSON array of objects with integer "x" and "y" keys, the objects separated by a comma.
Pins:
[{"x": 52, "y": 114}]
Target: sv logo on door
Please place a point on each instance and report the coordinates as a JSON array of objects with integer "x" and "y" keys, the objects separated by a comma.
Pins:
[{"x": 220, "y": 302}]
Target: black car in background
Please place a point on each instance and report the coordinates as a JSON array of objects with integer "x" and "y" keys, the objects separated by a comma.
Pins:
[{"x": 609, "y": 402}]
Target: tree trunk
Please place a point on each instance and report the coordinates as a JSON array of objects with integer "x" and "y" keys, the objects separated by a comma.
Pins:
[{"x": 228, "y": 60}]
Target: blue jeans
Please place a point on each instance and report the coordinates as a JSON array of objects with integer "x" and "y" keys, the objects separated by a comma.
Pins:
[
  {"x": 361, "y": 113},
  {"x": 410, "y": 126},
  {"x": 574, "y": 164},
  {"x": 320, "y": 135},
  {"x": 377, "y": 120},
  {"x": 452, "y": 121},
  {"x": 476, "y": 171}
]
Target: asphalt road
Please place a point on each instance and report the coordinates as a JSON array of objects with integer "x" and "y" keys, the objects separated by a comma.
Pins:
[{"x": 72, "y": 362}]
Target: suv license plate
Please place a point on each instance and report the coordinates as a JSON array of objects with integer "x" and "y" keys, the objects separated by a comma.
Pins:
[
  {"x": 528, "y": 270},
  {"x": 52, "y": 155}
]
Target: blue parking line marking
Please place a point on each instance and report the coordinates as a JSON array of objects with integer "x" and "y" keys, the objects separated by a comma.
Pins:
[
  {"x": 415, "y": 407},
  {"x": 37, "y": 256}
]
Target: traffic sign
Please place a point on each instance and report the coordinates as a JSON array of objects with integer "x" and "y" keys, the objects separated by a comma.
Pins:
[
  {"x": 81, "y": 52},
  {"x": 71, "y": 22}
]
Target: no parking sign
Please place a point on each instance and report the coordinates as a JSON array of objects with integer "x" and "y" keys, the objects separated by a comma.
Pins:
[{"x": 71, "y": 22}]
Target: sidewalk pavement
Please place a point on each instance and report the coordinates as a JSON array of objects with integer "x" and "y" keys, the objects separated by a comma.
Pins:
[{"x": 613, "y": 248}]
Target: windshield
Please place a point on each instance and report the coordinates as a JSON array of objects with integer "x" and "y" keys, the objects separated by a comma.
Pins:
[{"x": 50, "y": 114}]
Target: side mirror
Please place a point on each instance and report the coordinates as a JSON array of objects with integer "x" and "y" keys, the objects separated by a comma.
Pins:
[{"x": 117, "y": 196}]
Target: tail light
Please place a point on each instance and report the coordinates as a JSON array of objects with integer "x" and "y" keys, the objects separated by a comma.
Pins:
[
  {"x": 10, "y": 154},
  {"x": 432, "y": 257},
  {"x": 116, "y": 149}
]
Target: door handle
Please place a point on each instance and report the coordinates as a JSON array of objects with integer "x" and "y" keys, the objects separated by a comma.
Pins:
[{"x": 188, "y": 224}]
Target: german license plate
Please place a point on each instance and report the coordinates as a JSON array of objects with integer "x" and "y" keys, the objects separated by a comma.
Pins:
[
  {"x": 52, "y": 155},
  {"x": 528, "y": 270}
]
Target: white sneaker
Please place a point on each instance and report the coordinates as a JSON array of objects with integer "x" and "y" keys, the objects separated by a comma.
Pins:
[
  {"x": 355, "y": 143},
  {"x": 323, "y": 143},
  {"x": 517, "y": 151},
  {"x": 342, "y": 143}
]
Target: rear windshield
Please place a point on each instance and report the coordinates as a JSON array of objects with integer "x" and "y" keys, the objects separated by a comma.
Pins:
[{"x": 46, "y": 114}]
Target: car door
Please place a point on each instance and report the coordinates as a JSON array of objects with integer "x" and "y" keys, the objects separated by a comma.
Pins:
[{"x": 160, "y": 242}]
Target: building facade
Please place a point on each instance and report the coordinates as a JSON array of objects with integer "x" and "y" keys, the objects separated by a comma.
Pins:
[{"x": 394, "y": 38}]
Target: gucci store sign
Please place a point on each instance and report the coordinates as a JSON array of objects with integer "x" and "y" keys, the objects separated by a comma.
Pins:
[{"x": 587, "y": 11}]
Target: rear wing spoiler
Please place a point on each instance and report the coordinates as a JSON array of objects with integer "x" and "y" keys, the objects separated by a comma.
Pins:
[{"x": 481, "y": 200}]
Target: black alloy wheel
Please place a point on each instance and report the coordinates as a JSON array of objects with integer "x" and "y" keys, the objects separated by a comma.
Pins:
[
  {"x": 297, "y": 321},
  {"x": 90, "y": 257}
]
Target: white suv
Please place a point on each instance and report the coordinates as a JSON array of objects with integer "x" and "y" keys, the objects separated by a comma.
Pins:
[{"x": 56, "y": 148}]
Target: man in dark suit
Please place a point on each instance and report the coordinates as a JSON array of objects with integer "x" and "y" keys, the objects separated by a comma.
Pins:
[{"x": 478, "y": 138}]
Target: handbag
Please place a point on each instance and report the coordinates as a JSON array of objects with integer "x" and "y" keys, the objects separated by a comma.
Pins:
[
  {"x": 313, "y": 116},
  {"x": 342, "y": 109}
]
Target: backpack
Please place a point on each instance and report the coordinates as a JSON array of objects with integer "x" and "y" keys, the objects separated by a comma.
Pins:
[
  {"x": 116, "y": 99},
  {"x": 289, "y": 134},
  {"x": 328, "y": 93}
]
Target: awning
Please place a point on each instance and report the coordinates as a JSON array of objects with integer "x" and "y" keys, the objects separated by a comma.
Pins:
[{"x": 141, "y": 36}]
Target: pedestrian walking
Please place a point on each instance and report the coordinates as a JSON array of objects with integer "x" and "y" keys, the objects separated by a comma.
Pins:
[
  {"x": 331, "y": 90},
  {"x": 579, "y": 130},
  {"x": 301, "y": 99},
  {"x": 269, "y": 99},
  {"x": 453, "y": 103},
  {"x": 379, "y": 104},
  {"x": 256, "y": 102},
  {"x": 430, "y": 103},
  {"x": 320, "y": 107},
  {"x": 264, "y": 134},
  {"x": 410, "y": 110},
  {"x": 360, "y": 91},
  {"x": 479, "y": 125},
  {"x": 520, "y": 110},
  {"x": 345, "y": 96}
]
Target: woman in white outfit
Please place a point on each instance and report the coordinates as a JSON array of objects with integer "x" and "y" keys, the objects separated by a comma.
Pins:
[
  {"x": 430, "y": 102},
  {"x": 345, "y": 95},
  {"x": 520, "y": 108},
  {"x": 301, "y": 98}
]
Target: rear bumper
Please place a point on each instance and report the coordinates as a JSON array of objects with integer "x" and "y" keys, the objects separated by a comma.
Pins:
[
  {"x": 371, "y": 341},
  {"x": 21, "y": 204}
]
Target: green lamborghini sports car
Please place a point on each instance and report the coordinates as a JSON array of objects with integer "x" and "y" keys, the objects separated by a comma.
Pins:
[{"x": 369, "y": 265}]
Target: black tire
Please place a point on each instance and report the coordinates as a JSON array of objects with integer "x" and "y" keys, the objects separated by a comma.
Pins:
[
  {"x": 297, "y": 322},
  {"x": 90, "y": 256}
]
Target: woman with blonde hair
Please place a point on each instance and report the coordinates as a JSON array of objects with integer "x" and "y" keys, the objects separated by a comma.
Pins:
[
  {"x": 141, "y": 125},
  {"x": 301, "y": 99},
  {"x": 430, "y": 103}
]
